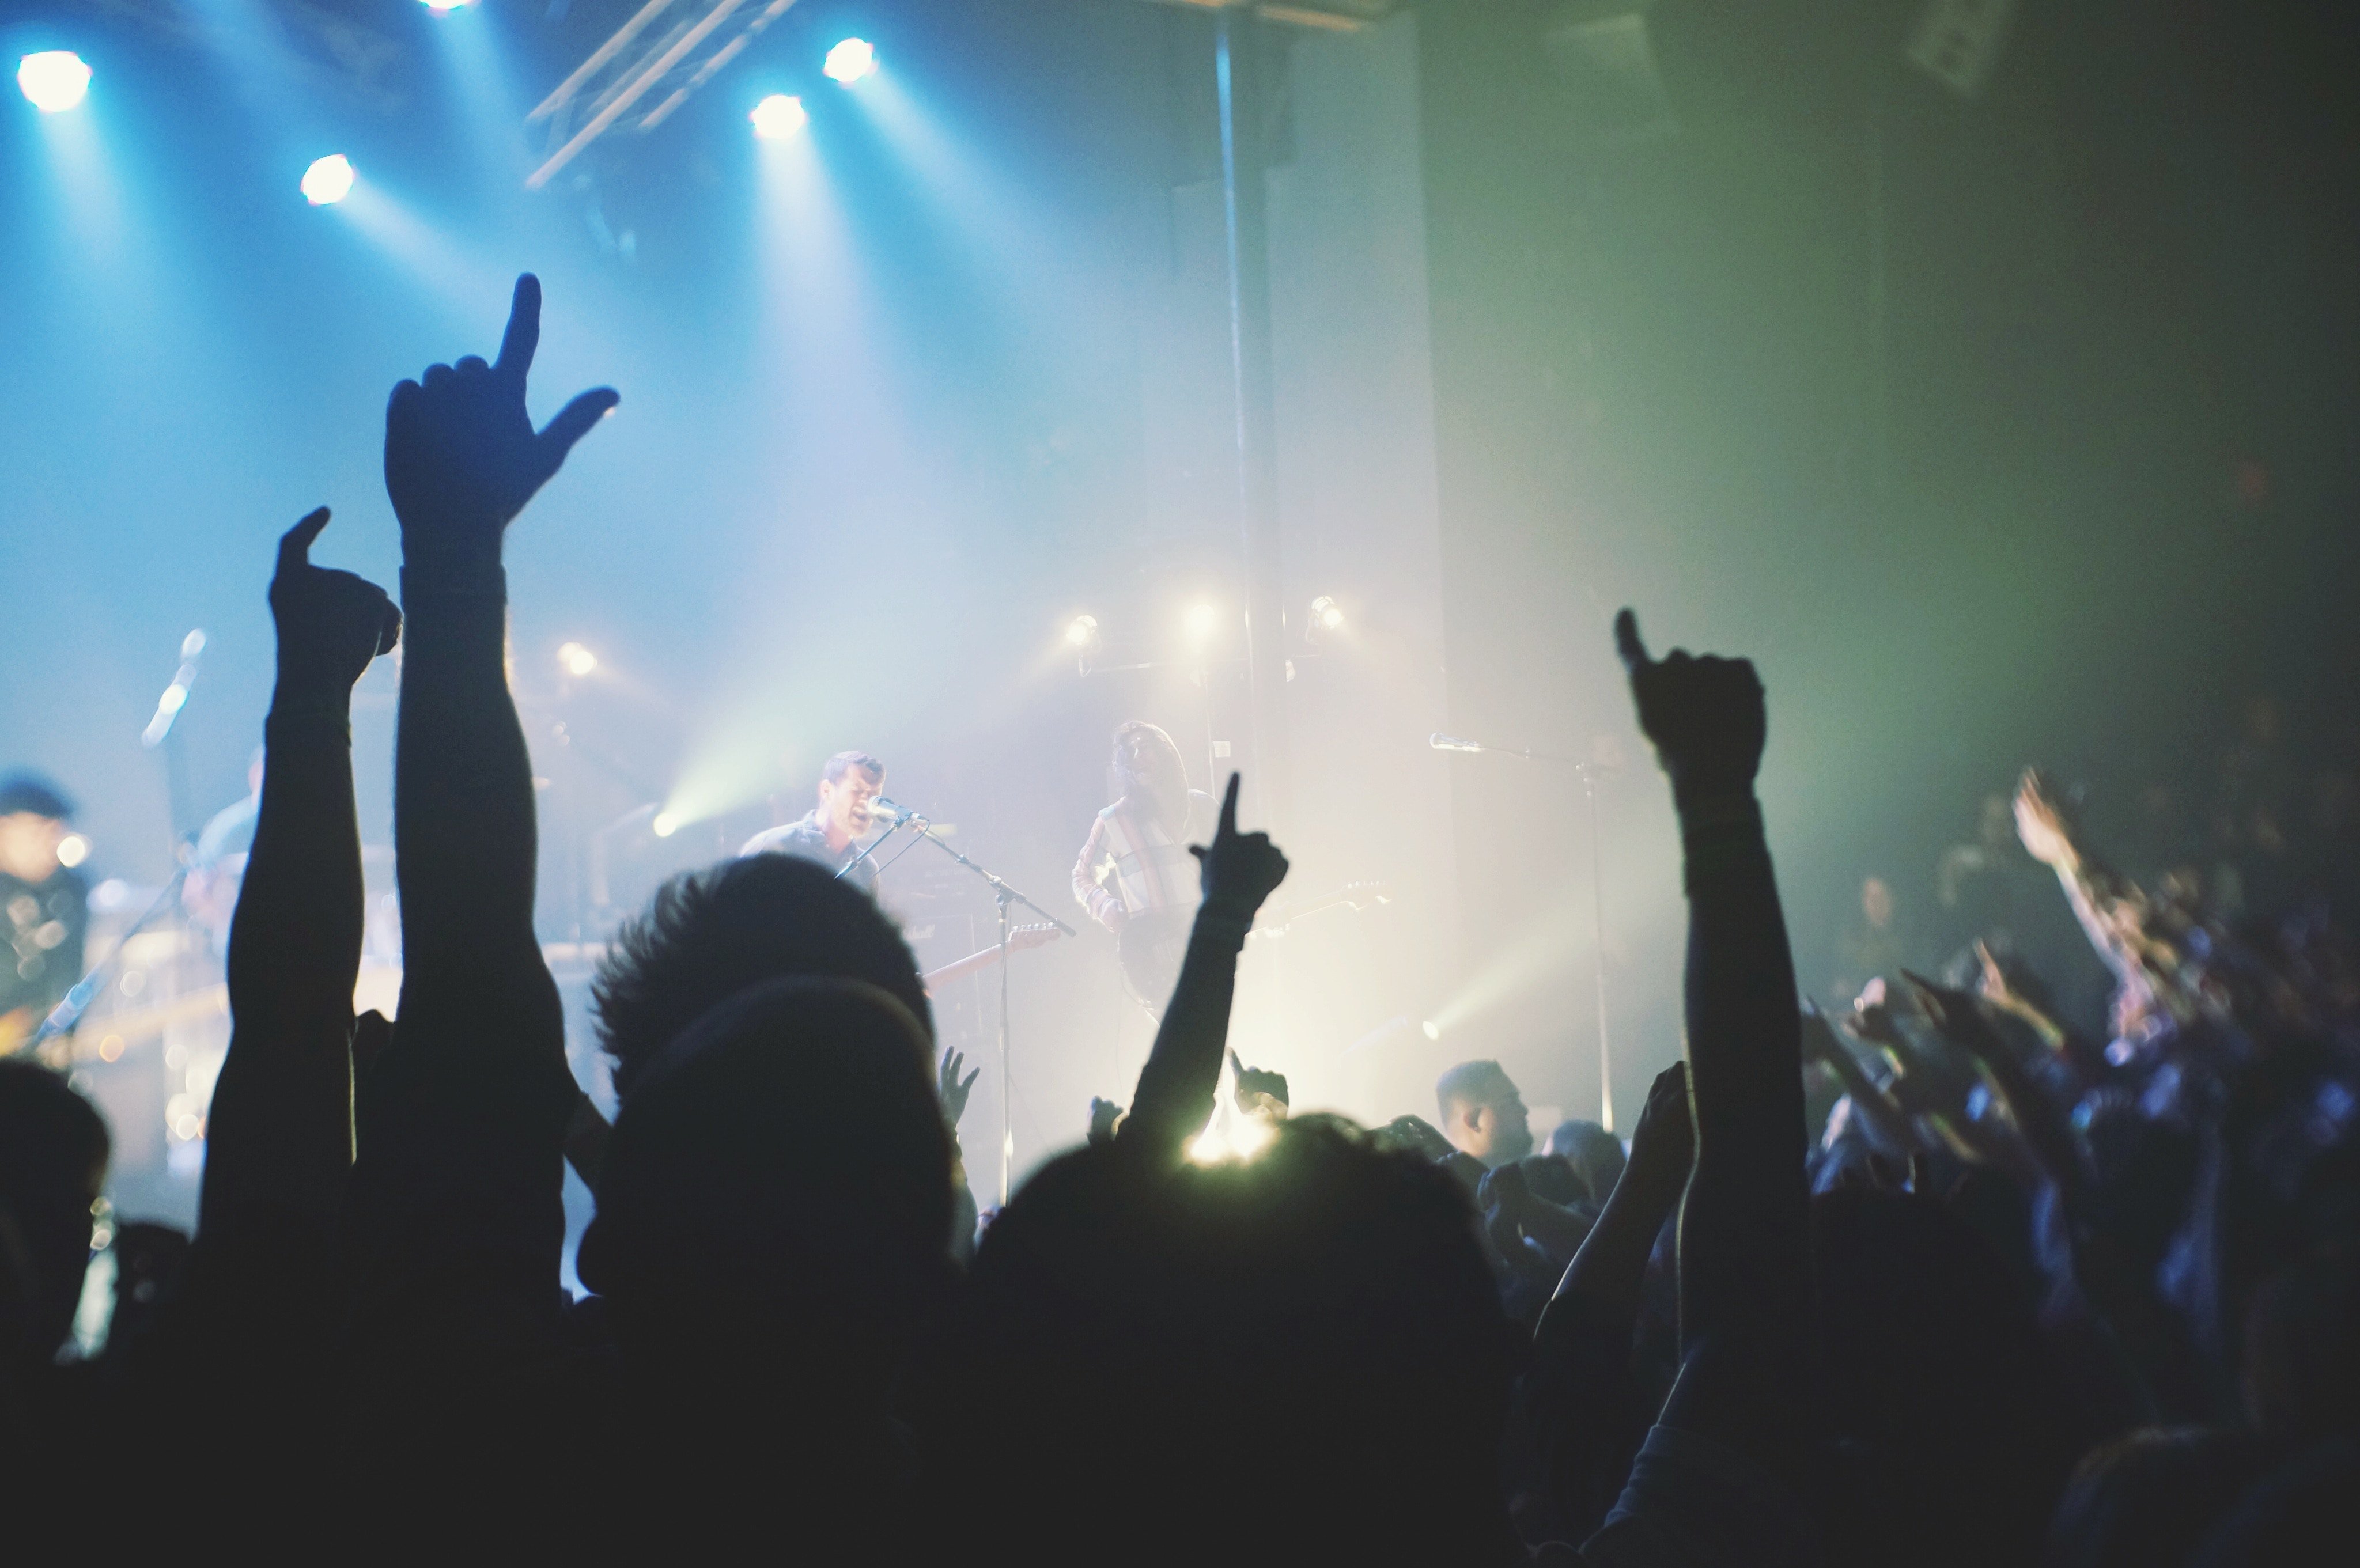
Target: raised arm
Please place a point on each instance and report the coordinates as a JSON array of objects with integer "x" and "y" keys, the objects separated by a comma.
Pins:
[
  {"x": 279, "y": 1134},
  {"x": 1745, "y": 1279},
  {"x": 475, "y": 1092},
  {"x": 1176, "y": 1088}
]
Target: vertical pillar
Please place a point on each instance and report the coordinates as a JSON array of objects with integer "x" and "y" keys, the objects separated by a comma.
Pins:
[{"x": 1243, "y": 66}]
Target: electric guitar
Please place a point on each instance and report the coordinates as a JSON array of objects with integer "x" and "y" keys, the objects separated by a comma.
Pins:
[
  {"x": 1020, "y": 938},
  {"x": 1154, "y": 941}
]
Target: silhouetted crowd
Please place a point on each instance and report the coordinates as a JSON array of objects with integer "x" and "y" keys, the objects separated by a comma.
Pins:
[{"x": 2019, "y": 1296}]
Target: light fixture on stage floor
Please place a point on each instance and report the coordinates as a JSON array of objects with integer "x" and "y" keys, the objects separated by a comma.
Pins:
[
  {"x": 329, "y": 180},
  {"x": 54, "y": 80},
  {"x": 850, "y": 61},
  {"x": 779, "y": 116}
]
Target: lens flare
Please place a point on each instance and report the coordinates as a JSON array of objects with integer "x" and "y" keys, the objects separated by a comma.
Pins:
[
  {"x": 849, "y": 61},
  {"x": 329, "y": 180},
  {"x": 53, "y": 80},
  {"x": 778, "y": 117},
  {"x": 577, "y": 659}
]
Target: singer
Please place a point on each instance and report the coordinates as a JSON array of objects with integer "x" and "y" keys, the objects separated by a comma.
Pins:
[{"x": 834, "y": 832}]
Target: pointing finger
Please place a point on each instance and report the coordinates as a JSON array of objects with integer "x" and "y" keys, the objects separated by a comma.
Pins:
[
  {"x": 295, "y": 544},
  {"x": 523, "y": 337},
  {"x": 574, "y": 421},
  {"x": 1228, "y": 828},
  {"x": 1627, "y": 643}
]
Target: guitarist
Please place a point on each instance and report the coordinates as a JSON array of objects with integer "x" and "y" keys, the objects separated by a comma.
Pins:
[
  {"x": 44, "y": 907},
  {"x": 1134, "y": 874}
]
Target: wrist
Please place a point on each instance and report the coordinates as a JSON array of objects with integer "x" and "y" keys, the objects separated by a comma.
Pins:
[{"x": 306, "y": 692}]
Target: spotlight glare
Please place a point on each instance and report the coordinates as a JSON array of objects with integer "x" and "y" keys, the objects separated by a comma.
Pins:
[
  {"x": 778, "y": 117},
  {"x": 1432, "y": 1030},
  {"x": 72, "y": 850},
  {"x": 329, "y": 180},
  {"x": 577, "y": 659},
  {"x": 665, "y": 824},
  {"x": 850, "y": 60},
  {"x": 1083, "y": 631},
  {"x": 445, "y": 7},
  {"x": 54, "y": 80},
  {"x": 1204, "y": 620},
  {"x": 1326, "y": 614}
]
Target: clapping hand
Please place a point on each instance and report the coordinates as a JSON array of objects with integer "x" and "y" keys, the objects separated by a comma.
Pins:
[
  {"x": 330, "y": 624},
  {"x": 1663, "y": 1145},
  {"x": 1704, "y": 715},
  {"x": 461, "y": 455},
  {"x": 951, "y": 1089},
  {"x": 1239, "y": 869}
]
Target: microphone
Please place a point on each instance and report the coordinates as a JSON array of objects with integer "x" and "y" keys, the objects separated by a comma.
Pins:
[
  {"x": 888, "y": 812},
  {"x": 176, "y": 695},
  {"x": 1452, "y": 742}
]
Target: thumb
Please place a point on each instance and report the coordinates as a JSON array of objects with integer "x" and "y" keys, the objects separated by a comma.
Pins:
[
  {"x": 389, "y": 628},
  {"x": 1633, "y": 652},
  {"x": 295, "y": 544},
  {"x": 573, "y": 422},
  {"x": 1198, "y": 850}
]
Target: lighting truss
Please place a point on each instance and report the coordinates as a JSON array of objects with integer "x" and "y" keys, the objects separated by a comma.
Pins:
[{"x": 696, "y": 39}]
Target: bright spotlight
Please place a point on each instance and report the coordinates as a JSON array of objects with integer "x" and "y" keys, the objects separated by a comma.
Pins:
[
  {"x": 850, "y": 60},
  {"x": 1204, "y": 620},
  {"x": 778, "y": 117},
  {"x": 329, "y": 180},
  {"x": 577, "y": 659},
  {"x": 1083, "y": 631},
  {"x": 1326, "y": 614},
  {"x": 72, "y": 850},
  {"x": 1431, "y": 1029},
  {"x": 665, "y": 824},
  {"x": 54, "y": 80},
  {"x": 445, "y": 7}
]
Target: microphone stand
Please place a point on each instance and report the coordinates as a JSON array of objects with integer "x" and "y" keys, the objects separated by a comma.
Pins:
[
  {"x": 1008, "y": 899},
  {"x": 1588, "y": 774}
]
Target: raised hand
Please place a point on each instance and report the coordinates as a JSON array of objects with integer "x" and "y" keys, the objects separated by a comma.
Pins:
[
  {"x": 2046, "y": 835},
  {"x": 1257, "y": 1090},
  {"x": 1664, "y": 1143},
  {"x": 1240, "y": 869},
  {"x": 1104, "y": 1114},
  {"x": 951, "y": 1089},
  {"x": 1704, "y": 715},
  {"x": 461, "y": 455},
  {"x": 330, "y": 624}
]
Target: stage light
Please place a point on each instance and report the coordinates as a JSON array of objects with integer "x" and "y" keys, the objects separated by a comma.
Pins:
[
  {"x": 445, "y": 7},
  {"x": 778, "y": 117},
  {"x": 665, "y": 824},
  {"x": 850, "y": 60},
  {"x": 54, "y": 80},
  {"x": 1204, "y": 620},
  {"x": 577, "y": 659},
  {"x": 1431, "y": 1029},
  {"x": 72, "y": 850},
  {"x": 329, "y": 180},
  {"x": 1083, "y": 631},
  {"x": 1326, "y": 614}
]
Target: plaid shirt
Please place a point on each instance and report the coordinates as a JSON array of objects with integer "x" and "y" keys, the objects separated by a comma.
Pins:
[{"x": 1133, "y": 863}]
